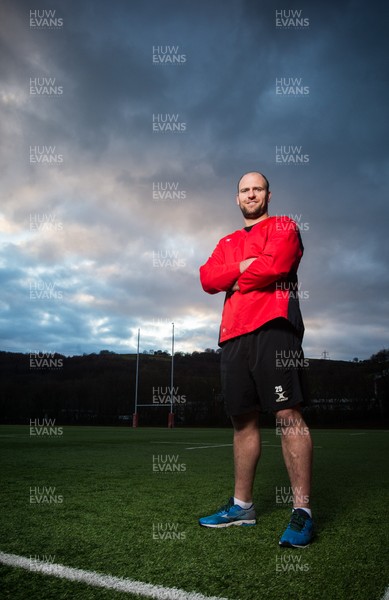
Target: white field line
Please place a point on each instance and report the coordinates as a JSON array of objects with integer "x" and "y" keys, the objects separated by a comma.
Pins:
[
  {"x": 386, "y": 595},
  {"x": 176, "y": 443},
  {"x": 267, "y": 445},
  {"x": 264, "y": 443},
  {"x": 213, "y": 446},
  {"x": 104, "y": 581}
]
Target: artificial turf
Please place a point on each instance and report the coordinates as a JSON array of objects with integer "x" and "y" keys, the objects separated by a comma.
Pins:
[{"x": 100, "y": 499}]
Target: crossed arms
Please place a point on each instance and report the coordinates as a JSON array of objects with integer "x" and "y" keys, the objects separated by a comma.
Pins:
[{"x": 279, "y": 257}]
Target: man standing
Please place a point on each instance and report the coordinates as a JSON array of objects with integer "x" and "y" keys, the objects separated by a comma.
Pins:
[{"x": 261, "y": 329}]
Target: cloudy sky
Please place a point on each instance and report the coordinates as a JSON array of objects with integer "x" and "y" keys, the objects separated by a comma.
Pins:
[{"x": 124, "y": 128}]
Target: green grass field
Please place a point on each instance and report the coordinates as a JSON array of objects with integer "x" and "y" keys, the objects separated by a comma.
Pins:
[{"x": 92, "y": 499}]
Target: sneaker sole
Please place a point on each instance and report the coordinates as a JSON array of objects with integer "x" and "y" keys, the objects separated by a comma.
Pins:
[
  {"x": 247, "y": 523},
  {"x": 289, "y": 545}
]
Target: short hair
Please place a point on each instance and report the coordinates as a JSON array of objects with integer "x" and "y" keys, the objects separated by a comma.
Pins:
[{"x": 258, "y": 173}]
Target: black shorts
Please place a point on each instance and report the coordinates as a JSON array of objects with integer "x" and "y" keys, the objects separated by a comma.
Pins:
[{"x": 263, "y": 370}]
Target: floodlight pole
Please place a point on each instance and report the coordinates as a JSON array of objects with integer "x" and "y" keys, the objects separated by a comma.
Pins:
[{"x": 135, "y": 415}]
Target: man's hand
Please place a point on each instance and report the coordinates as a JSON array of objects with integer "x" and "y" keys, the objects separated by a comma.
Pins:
[{"x": 245, "y": 264}]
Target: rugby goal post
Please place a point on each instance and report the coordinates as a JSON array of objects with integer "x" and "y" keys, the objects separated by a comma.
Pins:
[{"x": 135, "y": 416}]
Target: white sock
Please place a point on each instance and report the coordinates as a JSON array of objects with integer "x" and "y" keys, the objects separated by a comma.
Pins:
[
  {"x": 242, "y": 504},
  {"x": 307, "y": 510}
]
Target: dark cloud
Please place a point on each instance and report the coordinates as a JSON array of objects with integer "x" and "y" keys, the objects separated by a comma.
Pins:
[{"x": 125, "y": 259}]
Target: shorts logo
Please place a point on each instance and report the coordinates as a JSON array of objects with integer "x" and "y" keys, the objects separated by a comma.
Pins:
[{"x": 281, "y": 394}]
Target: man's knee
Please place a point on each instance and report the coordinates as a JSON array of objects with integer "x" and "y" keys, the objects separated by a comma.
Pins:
[{"x": 291, "y": 420}]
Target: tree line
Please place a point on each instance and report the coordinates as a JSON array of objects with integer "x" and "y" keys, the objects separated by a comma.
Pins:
[{"x": 100, "y": 389}]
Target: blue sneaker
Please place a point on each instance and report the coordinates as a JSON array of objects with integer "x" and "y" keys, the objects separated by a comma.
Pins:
[
  {"x": 230, "y": 514},
  {"x": 299, "y": 532}
]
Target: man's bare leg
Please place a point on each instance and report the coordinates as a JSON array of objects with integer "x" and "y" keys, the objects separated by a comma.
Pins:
[
  {"x": 297, "y": 451},
  {"x": 247, "y": 450}
]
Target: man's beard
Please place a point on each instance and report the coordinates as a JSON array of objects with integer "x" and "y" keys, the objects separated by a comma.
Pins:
[{"x": 256, "y": 214}]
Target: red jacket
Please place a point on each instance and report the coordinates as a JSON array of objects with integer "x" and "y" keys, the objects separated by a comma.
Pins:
[{"x": 268, "y": 288}]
